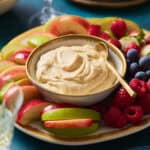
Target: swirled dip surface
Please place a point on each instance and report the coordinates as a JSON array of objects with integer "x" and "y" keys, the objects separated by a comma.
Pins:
[{"x": 74, "y": 70}]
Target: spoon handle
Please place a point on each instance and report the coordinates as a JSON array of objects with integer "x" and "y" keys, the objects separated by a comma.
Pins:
[{"x": 121, "y": 80}]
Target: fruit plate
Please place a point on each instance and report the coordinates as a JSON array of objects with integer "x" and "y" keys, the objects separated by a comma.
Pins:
[{"x": 104, "y": 134}]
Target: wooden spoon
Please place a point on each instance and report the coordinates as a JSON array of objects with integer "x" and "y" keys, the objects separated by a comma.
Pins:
[{"x": 104, "y": 50}]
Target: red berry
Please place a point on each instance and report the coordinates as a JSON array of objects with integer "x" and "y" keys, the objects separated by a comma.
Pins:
[
  {"x": 134, "y": 113},
  {"x": 104, "y": 36},
  {"x": 132, "y": 45},
  {"x": 144, "y": 102},
  {"x": 119, "y": 28},
  {"x": 94, "y": 30},
  {"x": 122, "y": 99},
  {"x": 115, "y": 118},
  {"x": 115, "y": 42},
  {"x": 147, "y": 40},
  {"x": 98, "y": 107},
  {"x": 148, "y": 85},
  {"x": 138, "y": 86}
]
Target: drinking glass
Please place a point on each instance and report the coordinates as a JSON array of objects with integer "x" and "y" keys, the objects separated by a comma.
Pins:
[
  {"x": 8, "y": 110},
  {"x": 47, "y": 12}
]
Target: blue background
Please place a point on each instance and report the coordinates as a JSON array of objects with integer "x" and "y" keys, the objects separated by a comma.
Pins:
[{"x": 16, "y": 21}]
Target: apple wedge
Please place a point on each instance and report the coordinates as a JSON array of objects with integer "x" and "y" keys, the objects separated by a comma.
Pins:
[
  {"x": 20, "y": 57},
  {"x": 5, "y": 64},
  {"x": 24, "y": 81},
  {"x": 67, "y": 24},
  {"x": 72, "y": 123},
  {"x": 12, "y": 74},
  {"x": 31, "y": 111},
  {"x": 29, "y": 92}
]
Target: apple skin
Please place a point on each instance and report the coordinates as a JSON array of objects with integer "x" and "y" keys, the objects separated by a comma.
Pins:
[
  {"x": 12, "y": 74},
  {"x": 67, "y": 24},
  {"x": 29, "y": 92},
  {"x": 5, "y": 64},
  {"x": 70, "y": 113},
  {"x": 72, "y": 123},
  {"x": 24, "y": 81},
  {"x": 20, "y": 57},
  {"x": 57, "y": 106},
  {"x": 31, "y": 111},
  {"x": 73, "y": 132}
]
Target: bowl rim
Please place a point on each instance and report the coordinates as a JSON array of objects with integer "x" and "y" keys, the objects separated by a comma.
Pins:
[{"x": 115, "y": 49}]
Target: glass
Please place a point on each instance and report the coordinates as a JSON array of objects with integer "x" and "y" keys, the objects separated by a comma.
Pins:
[
  {"x": 8, "y": 111},
  {"x": 47, "y": 12}
]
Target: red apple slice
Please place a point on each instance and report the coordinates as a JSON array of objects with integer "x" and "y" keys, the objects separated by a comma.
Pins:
[
  {"x": 29, "y": 92},
  {"x": 68, "y": 25},
  {"x": 24, "y": 81},
  {"x": 12, "y": 74},
  {"x": 20, "y": 57},
  {"x": 31, "y": 111},
  {"x": 5, "y": 64},
  {"x": 74, "y": 123}
]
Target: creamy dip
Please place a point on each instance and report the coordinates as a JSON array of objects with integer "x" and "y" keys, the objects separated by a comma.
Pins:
[{"x": 74, "y": 70}]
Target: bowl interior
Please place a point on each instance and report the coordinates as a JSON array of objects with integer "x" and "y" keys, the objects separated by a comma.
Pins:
[{"x": 116, "y": 55}]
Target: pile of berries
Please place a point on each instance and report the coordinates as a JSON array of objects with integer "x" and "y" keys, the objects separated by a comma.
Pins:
[{"x": 123, "y": 109}]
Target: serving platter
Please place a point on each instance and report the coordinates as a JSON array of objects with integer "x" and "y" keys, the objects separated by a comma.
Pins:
[
  {"x": 110, "y": 3},
  {"x": 104, "y": 134}
]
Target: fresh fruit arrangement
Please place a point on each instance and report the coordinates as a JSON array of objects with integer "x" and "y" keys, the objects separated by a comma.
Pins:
[{"x": 68, "y": 120}]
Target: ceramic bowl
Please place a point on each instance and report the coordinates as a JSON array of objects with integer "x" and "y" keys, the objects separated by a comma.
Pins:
[
  {"x": 69, "y": 40},
  {"x": 6, "y": 5}
]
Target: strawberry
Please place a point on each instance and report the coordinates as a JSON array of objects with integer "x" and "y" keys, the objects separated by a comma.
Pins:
[
  {"x": 147, "y": 40},
  {"x": 104, "y": 36},
  {"x": 94, "y": 30},
  {"x": 132, "y": 45},
  {"x": 118, "y": 28},
  {"x": 115, "y": 42}
]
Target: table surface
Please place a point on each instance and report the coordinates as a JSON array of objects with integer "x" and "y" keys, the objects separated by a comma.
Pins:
[{"x": 16, "y": 21}]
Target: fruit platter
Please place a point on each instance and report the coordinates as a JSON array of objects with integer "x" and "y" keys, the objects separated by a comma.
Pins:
[{"x": 117, "y": 115}]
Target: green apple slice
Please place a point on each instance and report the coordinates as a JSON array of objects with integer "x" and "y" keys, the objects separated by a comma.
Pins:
[
  {"x": 38, "y": 40},
  {"x": 70, "y": 113},
  {"x": 74, "y": 132}
]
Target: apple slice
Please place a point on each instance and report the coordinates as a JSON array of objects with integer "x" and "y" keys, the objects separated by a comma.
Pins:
[
  {"x": 31, "y": 111},
  {"x": 5, "y": 64},
  {"x": 72, "y": 123},
  {"x": 24, "y": 81},
  {"x": 67, "y": 24},
  {"x": 38, "y": 40},
  {"x": 70, "y": 113},
  {"x": 20, "y": 57},
  {"x": 12, "y": 74},
  {"x": 74, "y": 132}
]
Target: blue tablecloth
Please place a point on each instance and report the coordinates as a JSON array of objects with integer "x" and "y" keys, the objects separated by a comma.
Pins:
[{"x": 16, "y": 21}]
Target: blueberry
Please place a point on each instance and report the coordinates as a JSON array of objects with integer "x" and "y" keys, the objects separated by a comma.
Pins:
[
  {"x": 144, "y": 62},
  {"x": 132, "y": 54},
  {"x": 148, "y": 73},
  {"x": 133, "y": 68},
  {"x": 141, "y": 75}
]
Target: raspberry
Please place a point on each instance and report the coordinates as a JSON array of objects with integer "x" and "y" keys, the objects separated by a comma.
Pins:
[
  {"x": 119, "y": 28},
  {"x": 148, "y": 85},
  {"x": 132, "y": 45},
  {"x": 98, "y": 107},
  {"x": 104, "y": 36},
  {"x": 138, "y": 86},
  {"x": 115, "y": 118},
  {"x": 144, "y": 102},
  {"x": 134, "y": 113},
  {"x": 94, "y": 30},
  {"x": 147, "y": 40},
  {"x": 122, "y": 99},
  {"x": 115, "y": 42}
]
